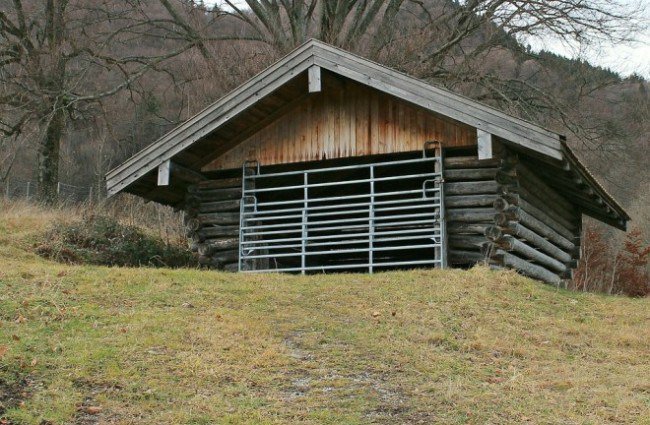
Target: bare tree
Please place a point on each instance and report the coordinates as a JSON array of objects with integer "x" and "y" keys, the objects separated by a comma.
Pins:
[
  {"x": 285, "y": 24},
  {"x": 452, "y": 43},
  {"x": 58, "y": 57}
]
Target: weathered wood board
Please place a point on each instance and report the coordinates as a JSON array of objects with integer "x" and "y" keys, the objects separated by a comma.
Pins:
[{"x": 345, "y": 119}]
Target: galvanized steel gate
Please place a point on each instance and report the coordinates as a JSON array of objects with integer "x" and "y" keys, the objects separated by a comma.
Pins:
[{"x": 368, "y": 216}]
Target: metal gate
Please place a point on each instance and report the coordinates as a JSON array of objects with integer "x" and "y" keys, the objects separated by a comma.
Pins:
[{"x": 373, "y": 216}]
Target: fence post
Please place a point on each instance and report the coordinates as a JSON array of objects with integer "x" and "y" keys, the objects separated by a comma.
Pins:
[
  {"x": 303, "y": 245},
  {"x": 90, "y": 194},
  {"x": 28, "y": 184}
]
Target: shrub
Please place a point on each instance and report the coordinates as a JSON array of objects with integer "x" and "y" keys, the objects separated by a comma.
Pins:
[
  {"x": 104, "y": 241},
  {"x": 603, "y": 268}
]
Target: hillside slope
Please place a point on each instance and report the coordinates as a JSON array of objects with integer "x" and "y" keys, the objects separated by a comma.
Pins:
[{"x": 87, "y": 345}]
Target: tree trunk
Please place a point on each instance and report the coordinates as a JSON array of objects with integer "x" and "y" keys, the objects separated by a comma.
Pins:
[
  {"x": 48, "y": 158},
  {"x": 52, "y": 83}
]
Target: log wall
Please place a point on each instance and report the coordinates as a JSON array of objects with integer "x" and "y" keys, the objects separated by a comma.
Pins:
[
  {"x": 212, "y": 222},
  {"x": 497, "y": 211},
  {"x": 470, "y": 192},
  {"x": 535, "y": 230}
]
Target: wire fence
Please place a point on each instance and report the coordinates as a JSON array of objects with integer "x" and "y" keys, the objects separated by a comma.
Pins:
[{"x": 25, "y": 189}]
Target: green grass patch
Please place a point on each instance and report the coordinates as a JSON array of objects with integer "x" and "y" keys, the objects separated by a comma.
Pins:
[{"x": 92, "y": 344}]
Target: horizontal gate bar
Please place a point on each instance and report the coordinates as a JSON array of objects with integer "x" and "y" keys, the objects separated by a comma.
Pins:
[
  {"x": 345, "y": 167},
  {"x": 345, "y": 251},
  {"x": 349, "y": 266},
  {"x": 354, "y": 220},
  {"x": 343, "y": 198},
  {"x": 345, "y": 242},
  {"x": 342, "y": 236},
  {"x": 254, "y": 217},
  {"x": 347, "y": 205},
  {"x": 321, "y": 229},
  {"x": 342, "y": 182}
]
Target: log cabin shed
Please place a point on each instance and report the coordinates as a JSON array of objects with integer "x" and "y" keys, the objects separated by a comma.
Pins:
[{"x": 327, "y": 161}]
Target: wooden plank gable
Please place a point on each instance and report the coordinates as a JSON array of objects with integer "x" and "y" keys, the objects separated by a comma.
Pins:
[{"x": 344, "y": 120}]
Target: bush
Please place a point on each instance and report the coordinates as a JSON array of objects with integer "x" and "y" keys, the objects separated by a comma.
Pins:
[
  {"x": 621, "y": 270},
  {"x": 104, "y": 241}
]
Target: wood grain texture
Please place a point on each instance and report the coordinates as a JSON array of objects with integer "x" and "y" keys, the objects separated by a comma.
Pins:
[{"x": 344, "y": 120}]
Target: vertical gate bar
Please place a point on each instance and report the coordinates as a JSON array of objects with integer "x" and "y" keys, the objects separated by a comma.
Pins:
[
  {"x": 443, "y": 219},
  {"x": 241, "y": 232},
  {"x": 437, "y": 182},
  {"x": 303, "y": 248},
  {"x": 241, "y": 217},
  {"x": 371, "y": 219}
]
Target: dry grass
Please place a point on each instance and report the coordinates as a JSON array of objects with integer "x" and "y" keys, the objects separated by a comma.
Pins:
[
  {"x": 25, "y": 219},
  {"x": 185, "y": 346}
]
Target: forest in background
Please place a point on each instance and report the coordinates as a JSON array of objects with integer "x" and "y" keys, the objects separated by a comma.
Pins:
[{"x": 86, "y": 84}]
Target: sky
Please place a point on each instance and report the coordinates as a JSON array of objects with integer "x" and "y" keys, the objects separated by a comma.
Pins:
[{"x": 623, "y": 58}]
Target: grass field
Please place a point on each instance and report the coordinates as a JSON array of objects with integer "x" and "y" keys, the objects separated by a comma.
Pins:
[{"x": 86, "y": 345}]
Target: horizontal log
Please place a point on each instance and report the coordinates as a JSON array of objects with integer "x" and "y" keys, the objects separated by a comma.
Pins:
[
  {"x": 536, "y": 200},
  {"x": 538, "y": 210},
  {"x": 457, "y": 256},
  {"x": 226, "y": 256},
  {"x": 220, "y": 183},
  {"x": 504, "y": 258},
  {"x": 510, "y": 243},
  {"x": 469, "y": 215},
  {"x": 562, "y": 178},
  {"x": 501, "y": 219},
  {"x": 452, "y": 162},
  {"x": 212, "y": 246},
  {"x": 464, "y": 174},
  {"x": 186, "y": 174},
  {"x": 205, "y": 260},
  {"x": 462, "y": 242},
  {"x": 501, "y": 205},
  {"x": 219, "y": 206},
  {"x": 219, "y": 259},
  {"x": 219, "y": 218},
  {"x": 470, "y": 188},
  {"x": 513, "y": 228},
  {"x": 577, "y": 194},
  {"x": 215, "y": 263},
  {"x": 596, "y": 207},
  {"x": 214, "y": 231},
  {"x": 231, "y": 267},
  {"x": 466, "y": 228},
  {"x": 564, "y": 227},
  {"x": 216, "y": 194},
  {"x": 469, "y": 200},
  {"x": 221, "y": 244},
  {"x": 533, "y": 183}
]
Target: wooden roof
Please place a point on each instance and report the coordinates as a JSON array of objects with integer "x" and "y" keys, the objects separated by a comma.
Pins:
[{"x": 218, "y": 127}]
